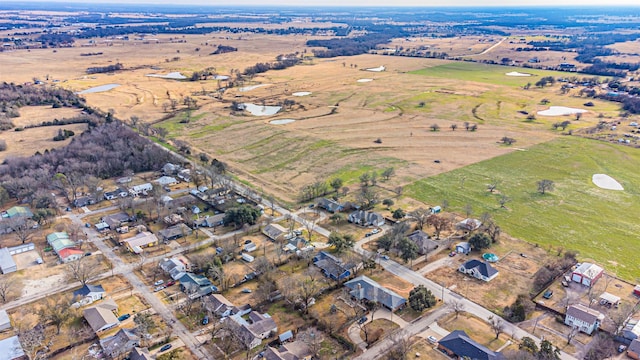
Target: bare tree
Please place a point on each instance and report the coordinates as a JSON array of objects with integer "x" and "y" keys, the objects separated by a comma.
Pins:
[
  {"x": 571, "y": 334},
  {"x": 57, "y": 311},
  {"x": 313, "y": 339},
  {"x": 420, "y": 216},
  {"x": 457, "y": 307},
  {"x": 21, "y": 227},
  {"x": 8, "y": 285},
  {"x": 497, "y": 325},
  {"x": 307, "y": 288},
  {"x": 34, "y": 341},
  {"x": 399, "y": 348},
  {"x": 84, "y": 270},
  {"x": 439, "y": 223},
  {"x": 310, "y": 225},
  {"x": 545, "y": 185}
]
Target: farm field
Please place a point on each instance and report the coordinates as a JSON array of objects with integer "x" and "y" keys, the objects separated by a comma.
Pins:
[
  {"x": 577, "y": 215},
  {"x": 29, "y": 141}
]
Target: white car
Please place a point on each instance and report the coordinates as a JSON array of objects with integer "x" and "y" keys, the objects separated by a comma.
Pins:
[
  {"x": 375, "y": 231},
  {"x": 158, "y": 283}
]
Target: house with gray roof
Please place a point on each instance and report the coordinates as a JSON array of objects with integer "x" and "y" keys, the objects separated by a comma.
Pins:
[
  {"x": 331, "y": 266},
  {"x": 100, "y": 318},
  {"x": 5, "y": 322},
  {"x": 585, "y": 319},
  {"x": 255, "y": 328},
  {"x": 423, "y": 241},
  {"x": 120, "y": 343},
  {"x": 89, "y": 293},
  {"x": 478, "y": 269},
  {"x": 140, "y": 354},
  {"x": 11, "y": 349},
  {"x": 115, "y": 194},
  {"x": 294, "y": 350},
  {"x": 174, "y": 232},
  {"x": 366, "y": 218},
  {"x": 330, "y": 205},
  {"x": 633, "y": 351},
  {"x": 174, "y": 267},
  {"x": 459, "y": 345},
  {"x": 274, "y": 231},
  {"x": 7, "y": 264},
  {"x": 363, "y": 287}
]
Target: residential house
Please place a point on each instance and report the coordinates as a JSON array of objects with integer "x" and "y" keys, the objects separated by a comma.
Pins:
[
  {"x": 70, "y": 254},
  {"x": 366, "y": 218},
  {"x": 585, "y": 319},
  {"x": 285, "y": 336},
  {"x": 478, "y": 269},
  {"x": 124, "y": 180},
  {"x": 11, "y": 349},
  {"x": 5, "y": 322},
  {"x": 89, "y": 293},
  {"x": 274, "y": 231},
  {"x": 468, "y": 225},
  {"x": 142, "y": 189},
  {"x": 116, "y": 194},
  {"x": 299, "y": 245},
  {"x": 222, "y": 307},
  {"x": 196, "y": 285},
  {"x": 100, "y": 317},
  {"x": 64, "y": 247},
  {"x": 140, "y": 241},
  {"x": 459, "y": 345},
  {"x": 423, "y": 241},
  {"x": 18, "y": 212},
  {"x": 166, "y": 181},
  {"x": 587, "y": 274},
  {"x": 7, "y": 264},
  {"x": 250, "y": 247},
  {"x": 331, "y": 266},
  {"x": 174, "y": 232},
  {"x": 140, "y": 354},
  {"x": 123, "y": 342},
  {"x": 170, "y": 169},
  {"x": 174, "y": 267},
  {"x": 184, "y": 175},
  {"x": 463, "y": 248},
  {"x": 295, "y": 350},
  {"x": 211, "y": 221},
  {"x": 633, "y": 351},
  {"x": 363, "y": 287},
  {"x": 255, "y": 329},
  {"x": 115, "y": 221},
  {"x": 84, "y": 201},
  {"x": 609, "y": 299},
  {"x": 631, "y": 330},
  {"x": 330, "y": 205}
]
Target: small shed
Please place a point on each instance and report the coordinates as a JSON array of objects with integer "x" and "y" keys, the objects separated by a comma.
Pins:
[
  {"x": 5, "y": 322},
  {"x": 609, "y": 299},
  {"x": 463, "y": 248},
  {"x": 285, "y": 336}
]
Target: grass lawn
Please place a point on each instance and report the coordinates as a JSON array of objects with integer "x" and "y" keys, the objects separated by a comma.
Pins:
[
  {"x": 576, "y": 215},
  {"x": 492, "y": 74}
]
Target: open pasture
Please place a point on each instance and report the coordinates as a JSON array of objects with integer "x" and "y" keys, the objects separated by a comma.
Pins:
[
  {"x": 28, "y": 141},
  {"x": 600, "y": 224}
]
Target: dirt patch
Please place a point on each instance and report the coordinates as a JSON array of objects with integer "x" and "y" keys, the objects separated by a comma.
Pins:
[
  {"x": 37, "y": 286},
  {"x": 26, "y": 259}
]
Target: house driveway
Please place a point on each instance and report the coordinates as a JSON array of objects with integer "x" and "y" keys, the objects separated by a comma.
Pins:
[{"x": 354, "y": 329}]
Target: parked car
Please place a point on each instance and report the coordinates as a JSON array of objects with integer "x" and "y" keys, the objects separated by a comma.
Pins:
[
  {"x": 565, "y": 284},
  {"x": 158, "y": 283},
  {"x": 87, "y": 254},
  {"x": 159, "y": 288},
  {"x": 205, "y": 321},
  {"x": 622, "y": 348},
  {"x": 452, "y": 254},
  {"x": 247, "y": 242},
  {"x": 171, "y": 283},
  {"x": 547, "y": 294},
  {"x": 165, "y": 347},
  {"x": 297, "y": 232},
  {"x": 385, "y": 257},
  {"x": 246, "y": 291},
  {"x": 375, "y": 231},
  {"x": 362, "y": 320},
  {"x": 432, "y": 339},
  {"x": 124, "y": 317}
]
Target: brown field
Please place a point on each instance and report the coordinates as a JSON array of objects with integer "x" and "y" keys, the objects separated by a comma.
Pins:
[
  {"x": 35, "y": 115},
  {"x": 29, "y": 141}
]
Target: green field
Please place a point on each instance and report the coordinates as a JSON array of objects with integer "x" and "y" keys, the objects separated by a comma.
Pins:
[
  {"x": 484, "y": 73},
  {"x": 600, "y": 224}
]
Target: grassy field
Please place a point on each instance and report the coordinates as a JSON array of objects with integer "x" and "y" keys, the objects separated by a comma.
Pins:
[
  {"x": 577, "y": 215},
  {"x": 484, "y": 73}
]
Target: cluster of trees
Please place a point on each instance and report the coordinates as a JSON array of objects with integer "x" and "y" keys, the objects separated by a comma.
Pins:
[
  {"x": 550, "y": 271},
  {"x": 421, "y": 298},
  {"x": 241, "y": 215},
  {"x": 223, "y": 49},
  {"x": 396, "y": 239},
  {"x": 349, "y": 46},
  {"x": 529, "y": 350},
  {"x": 282, "y": 62},
  {"x": 519, "y": 310},
  {"x": 63, "y": 134},
  {"x": 102, "y": 152},
  {"x": 104, "y": 69},
  {"x": 630, "y": 103},
  {"x": 547, "y": 80}
]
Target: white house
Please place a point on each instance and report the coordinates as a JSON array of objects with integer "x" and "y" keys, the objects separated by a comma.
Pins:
[
  {"x": 479, "y": 270},
  {"x": 174, "y": 267},
  {"x": 89, "y": 293},
  {"x": 167, "y": 180},
  {"x": 141, "y": 189},
  {"x": 583, "y": 318}
]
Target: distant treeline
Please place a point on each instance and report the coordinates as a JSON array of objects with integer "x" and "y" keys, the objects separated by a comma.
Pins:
[
  {"x": 92, "y": 54},
  {"x": 282, "y": 62},
  {"x": 104, "y": 69},
  {"x": 348, "y": 46}
]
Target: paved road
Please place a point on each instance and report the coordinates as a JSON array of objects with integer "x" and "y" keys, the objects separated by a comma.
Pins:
[{"x": 448, "y": 295}]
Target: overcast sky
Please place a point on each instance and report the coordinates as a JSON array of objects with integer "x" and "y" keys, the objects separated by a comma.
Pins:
[{"x": 475, "y": 3}]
